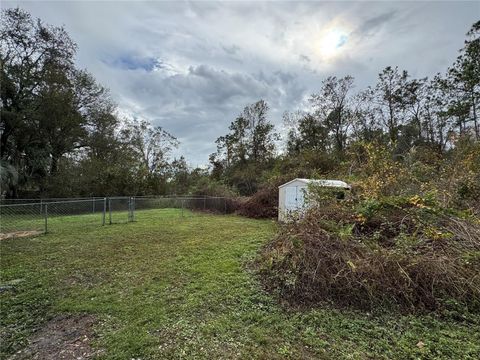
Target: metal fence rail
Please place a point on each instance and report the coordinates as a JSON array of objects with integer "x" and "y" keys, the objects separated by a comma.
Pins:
[
  {"x": 45, "y": 200},
  {"x": 20, "y": 217}
]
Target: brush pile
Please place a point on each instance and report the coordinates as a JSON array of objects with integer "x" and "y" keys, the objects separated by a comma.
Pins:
[
  {"x": 261, "y": 205},
  {"x": 402, "y": 252}
]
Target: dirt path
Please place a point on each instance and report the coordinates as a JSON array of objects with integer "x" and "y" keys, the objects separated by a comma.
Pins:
[{"x": 19, "y": 234}]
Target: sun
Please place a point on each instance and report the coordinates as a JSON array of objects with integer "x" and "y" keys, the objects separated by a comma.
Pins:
[{"x": 331, "y": 42}]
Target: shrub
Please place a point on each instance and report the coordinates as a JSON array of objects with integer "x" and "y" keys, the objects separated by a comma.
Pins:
[{"x": 212, "y": 188}]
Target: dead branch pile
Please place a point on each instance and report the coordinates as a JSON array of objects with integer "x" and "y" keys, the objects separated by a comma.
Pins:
[{"x": 407, "y": 255}]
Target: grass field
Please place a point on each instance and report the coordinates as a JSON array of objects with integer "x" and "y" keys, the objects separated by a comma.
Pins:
[{"x": 171, "y": 287}]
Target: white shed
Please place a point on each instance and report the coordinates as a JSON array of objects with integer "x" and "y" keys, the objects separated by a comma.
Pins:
[{"x": 291, "y": 195}]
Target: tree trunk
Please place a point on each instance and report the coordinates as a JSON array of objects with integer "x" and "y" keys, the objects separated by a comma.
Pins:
[
  {"x": 475, "y": 123},
  {"x": 54, "y": 165}
]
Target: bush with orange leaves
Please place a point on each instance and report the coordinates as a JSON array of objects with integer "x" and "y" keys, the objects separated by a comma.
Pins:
[{"x": 452, "y": 177}]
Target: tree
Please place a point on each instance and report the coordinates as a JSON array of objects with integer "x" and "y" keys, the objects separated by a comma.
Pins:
[
  {"x": 306, "y": 133},
  {"x": 365, "y": 124},
  {"x": 29, "y": 50},
  {"x": 36, "y": 65},
  {"x": 436, "y": 119},
  {"x": 464, "y": 82},
  {"x": 415, "y": 96},
  {"x": 251, "y": 138},
  {"x": 60, "y": 129},
  {"x": 151, "y": 144},
  {"x": 60, "y": 125},
  {"x": 246, "y": 149},
  {"x": 49, "y": 108},
  {"x": 389, "y": 98},
  {"x": 259, "y": 131},
  {"x": 333, "y": 107},
  {"x": 179, "y": 176}
]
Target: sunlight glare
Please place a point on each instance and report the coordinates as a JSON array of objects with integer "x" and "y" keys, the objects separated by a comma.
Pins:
[{"x": 332, "y": 41}]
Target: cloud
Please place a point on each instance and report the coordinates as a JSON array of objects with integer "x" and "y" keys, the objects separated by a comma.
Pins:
[
  {"x": 303, "y": 57},
  {"x": 231, "y": 50},
  {"x": 198, "y": 104},
  {"x": 369, "y": 26}
]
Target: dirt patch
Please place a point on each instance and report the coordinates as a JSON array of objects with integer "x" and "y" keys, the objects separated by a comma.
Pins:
[
  {"x": 19, "y": 234},
  {"x": 64, "y": 337},
  {"x": 86, "y": 279}
]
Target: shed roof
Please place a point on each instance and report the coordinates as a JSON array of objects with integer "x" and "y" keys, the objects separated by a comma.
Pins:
[{"x": 324, "y": 183}]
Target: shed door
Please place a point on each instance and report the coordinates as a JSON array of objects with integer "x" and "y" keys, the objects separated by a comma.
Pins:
[
  {"x": 291, "y": 197},
  {"x": 301, "y": 197}
]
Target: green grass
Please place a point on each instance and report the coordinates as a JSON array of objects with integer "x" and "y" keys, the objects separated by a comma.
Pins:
[{"x": 168, "y": 287}]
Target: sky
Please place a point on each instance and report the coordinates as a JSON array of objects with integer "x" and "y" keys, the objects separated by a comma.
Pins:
[{"x": 191, "y": 67}]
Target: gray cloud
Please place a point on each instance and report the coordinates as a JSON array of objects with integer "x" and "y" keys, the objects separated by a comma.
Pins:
[
  {"x": 191, "y": 67},
  {"x": 303, "y": 57},
  {"x": 368, "y": 27},
  {"x": 231, "y": 50}
]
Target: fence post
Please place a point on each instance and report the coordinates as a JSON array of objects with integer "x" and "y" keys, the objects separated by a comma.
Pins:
[
  {"x": 183, "y": 203},
  {"x": 93, "y": 205},
  {"x": 110, "y": 210},
  {"x": 104, "y": 211},
  {"x": 133, "y": 208},
  {"x": 204, "y": 202},
  {"x": 46, "y": 218},
  {"x": 129, "y": 209},
  {"x": 225, "y": 205}
]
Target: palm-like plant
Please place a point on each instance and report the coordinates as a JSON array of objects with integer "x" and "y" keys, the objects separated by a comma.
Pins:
[{"x": 8, "y": 176}]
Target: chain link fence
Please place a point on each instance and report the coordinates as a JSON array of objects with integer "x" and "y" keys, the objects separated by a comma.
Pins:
[
  {"x": 184, "y": 204},
  {"x": 22, "y": 217}
]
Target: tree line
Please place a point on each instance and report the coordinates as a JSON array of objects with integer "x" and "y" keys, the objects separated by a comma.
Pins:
[{"x": 62, "y": 135}]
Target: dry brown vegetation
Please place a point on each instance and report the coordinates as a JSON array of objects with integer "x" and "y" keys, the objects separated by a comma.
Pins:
[
  {"x": 262, "y": 205},
  {"x": 399, "y": 252},
  {"x": 19, "y": 234}
]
